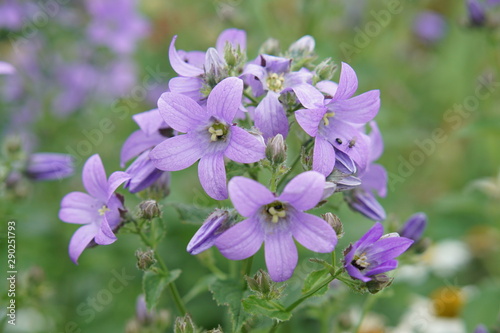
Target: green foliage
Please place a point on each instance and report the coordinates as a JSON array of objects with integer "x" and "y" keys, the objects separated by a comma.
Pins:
[
  {"x": 268, "y": 308},
  {"x": 314, "y": 280},
  {"x": 230, "y": 293},
  {"x": 154, "y": 283},
  {"x": 191, "y": 214}
]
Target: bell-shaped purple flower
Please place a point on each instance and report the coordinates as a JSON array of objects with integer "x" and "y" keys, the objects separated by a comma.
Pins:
[
  {"x": 429, "y": 27},
  {"x": 205, "y": 237},
  {"x": 48, "y": 166},
  {"x": 414, "y": 227},
  {"x": 374, "y": 253},
  {"x": 98, "y": 211},
  {"x": 276, "y": 221},
  {"x": 210, "y": 136},
  {"x": 336, "y": 121}
]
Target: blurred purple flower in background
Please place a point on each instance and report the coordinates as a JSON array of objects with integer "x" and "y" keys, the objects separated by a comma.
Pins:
[
  {"x": 476, "y": 13},
  {"x": 414, "y": 227},
  {"x": 276, "y": 221},
  {"x": 429, "y": 27},
  {"x": 12, "y": 13},
  {"x": 6, "y": 68},
  {"x": 49, "y": 166}
]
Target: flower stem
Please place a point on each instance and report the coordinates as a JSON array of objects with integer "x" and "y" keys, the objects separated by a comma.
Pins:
[{"x": 250, "y": 97}]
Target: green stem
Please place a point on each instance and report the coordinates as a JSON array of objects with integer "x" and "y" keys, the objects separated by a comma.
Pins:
[
  {"x": 247, "y": 266},
  {"x": 370, "y": 300},
  {"x": 250, "y": 97}
]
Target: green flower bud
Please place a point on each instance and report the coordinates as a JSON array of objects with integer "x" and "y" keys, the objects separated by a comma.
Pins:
[
  {"x": 276, "y": 150},
  {"x": 184, "y": 325},
  {"x": 149, "y": 209},
  {"x": 271, "y": 47},
  {"x": 334, "y": 221},
  {"x": 145, "y": 259},
  {"x": 325, "y": 70}
]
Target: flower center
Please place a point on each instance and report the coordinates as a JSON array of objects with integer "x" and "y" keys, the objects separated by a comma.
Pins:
[
  {"x": 276, "y": 210},
  {"x": 327, "y": 115},
  {"x": 360, "y": 262},
  {"x": 218, "y": 131},
  {"x": 103, "y": 210},
  {"x": 275, "y": 82}
]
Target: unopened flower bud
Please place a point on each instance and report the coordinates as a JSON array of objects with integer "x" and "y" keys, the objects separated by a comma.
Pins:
[
  {"x": 271, "y": 46},
  {"x": 216, "y": 223},
  {"x": 276, "y": 150},
  {"x": 265, "y": 288},
  {"x": 145, "y": 259},
  {"x": 12, "y": 145},
  {"x": 49, "y": 166},
  {"x": 216, "y": 330},
  {"x": 215, "y": 67},
  {"x": 149, "y": 209},
  {"x": 414, "y": 227},
  {"x": 325, "y": 70},
  {"x": 160, "y": 189},
  {"x": 378, "y": 282},
  {"x": 476, "y": 13},
  {"x": 184, "y": 325},
  {"x": 334, "y": 221},
  {"x": 304, "y": 47}
]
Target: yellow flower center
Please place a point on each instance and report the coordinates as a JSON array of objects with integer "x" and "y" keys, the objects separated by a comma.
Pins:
[
  {"x": 103, "y": 210},
  {"x": 326, "y": 116},
  {"x": 276, "y": 210},
  {"x": 218, "y": 132},
  {"x": 360, "y": 262},
  {"x": 275, "y": 82}
]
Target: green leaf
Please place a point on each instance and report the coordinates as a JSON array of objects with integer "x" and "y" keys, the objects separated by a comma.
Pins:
[
  {"x": 314, "y": 280},
  {"x": 230, "y": 293},
  {"x": 326, "y": 264},
  {"x": 267, "y": 308},
  {"x": 191, "y": 213},
  {"x": 154, "y": 283}
]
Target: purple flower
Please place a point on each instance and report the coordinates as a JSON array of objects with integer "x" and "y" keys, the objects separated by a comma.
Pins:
[
  {"x": 272, "y": 75},
  {"x": 476, "y": 13},
  {"x": 374, "y": 254},
  {"x": 336, "y": 121},
  {"x": 414, "y": 227},
  {"x": 11, "y": 14},
  {"x": 48, "y": 166},
  {"x": 373, "y": 180},
  {"x": 205, "y": 237},
  {"x": 481, "y": 329},
  {"x": 6, "y": 68},
  {"x": 429, "y": 26},
  {"x": 210, "y": 135},
  {"x": 98, "y": 211},
  {"x": 276, "y": 221}
]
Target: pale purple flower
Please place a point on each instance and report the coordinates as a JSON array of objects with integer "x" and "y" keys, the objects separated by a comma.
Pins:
[
  {"x": 276, "y": 221},
  {"x": 272, "y": 75},
  {"x": 336, "y": 121},
  {"x": 429, "y": 26},
  {"x": 12, "y": 13},
  {"x": 205, "y": 237},
  {"x": 373, "y": 180},
  {"x": 98, "y": 211},
  {"x": 374, "y": 253},
  {"x": 210, "y": 136},
  {"x": 6, "y": 68},
  {"x": 414, "y": 227},
  {"x": 476, "y": 12},
  {"x": 481, "y": 329},
  {"x": 48, "y": 166}
]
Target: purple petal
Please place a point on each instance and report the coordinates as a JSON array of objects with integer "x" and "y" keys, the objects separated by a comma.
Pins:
[
  {"x": 344, "y": 163},
  {"x": 181, "y": 112},
  {"x": 414, "y": 227},
  {"x": 81, "y": 238},
  {"x": 179, "y": 65},
  {"x": 388, "y": 248},
  {"x": 212, "y": 174},
  {"x": 281, "y": 254},
  {"x": 79, "y": 207},
  {"x": 376, "y": 142},
  {"x": 310, "y": 119},
  {"x": 94, "y": 178},
  {"x": 241, "y": 241},
  {"x": 348, "y": 83},
  {"x": 304, "y": 191},
  {"x": 370, "y": 237},
  {"x": 293, "y": 79},
  {"x": 225, "y": 99},
  {"x": 274, "y": 64},
  {"x": 308, "y": 96},
  {"x": 235, "y": 37},
  {"x": 248, "y": 196},
  {"x": 150, "y": 121},
  {"x": 143, "y": 173},
  {"x": 359, "y": 110},
  {"x": 48, "y": 166},
  {"x": 254, "y": 76},
  {"x": 375, "y": 179},
  {"x": 113, "y": 216},
  {"x": 313, "y": 232},
  {"x": 177, "y": 153},
  {"x": 366, "y": 204},
  {"x": 105, "y": 235},
  {"x": 116, "y": 179},
  {"x": 189, "y": 86},
  {"x": 244, "y": 147},
  {"x": 327, "y": 87},
  {"x": 355, "y": 273},
  {"x": 270, "y": 117},
  {"x": 323, "y": 156},
  {"x": 385, "y": 267},
  {"x": 195, "y": 58},
  {"x": 137, "y": 143},
  {"x": 205, "y": 237},
  {"x": 6, "y": 68}
]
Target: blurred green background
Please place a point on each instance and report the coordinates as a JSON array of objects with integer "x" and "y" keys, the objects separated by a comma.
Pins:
[{"x": 421, "y": 85}]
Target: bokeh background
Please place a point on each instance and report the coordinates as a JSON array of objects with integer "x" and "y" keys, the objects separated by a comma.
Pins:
[{"x": 439, "y": 78}]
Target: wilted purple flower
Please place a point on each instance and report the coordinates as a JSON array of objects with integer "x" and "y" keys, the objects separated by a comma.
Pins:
[
  {"x": 336, "y": 121},
  {"x": 48, "y": 166},
  {"x": 210, "y": 135},
  {"x": 6, "y": 68},
  {"x": 272, "y": 75},
  {"x": 205, "y": 237},
  {"x": 374, "y": 253},
  {"x": 429, "y": 26},
  {"x": 276, "y": 221},
  {"x": 476, "y": 13},
  {"x": 98, "y": 211},
  {"x": 373, "y": 180},
  {"x": 414, "y": 227}
]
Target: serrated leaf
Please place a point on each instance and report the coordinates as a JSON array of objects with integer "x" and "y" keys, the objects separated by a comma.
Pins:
[
  {"x": 153, "y": 285},
  {"x": 314, "y": 280},
  {"x": 230, "y": 293},
  {"x": 267, "y": 308},
  {"x": 190, "y": 213}
]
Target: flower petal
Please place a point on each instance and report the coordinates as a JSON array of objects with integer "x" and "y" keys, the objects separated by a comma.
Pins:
[
  {"x": 212, "y": 174},
  {"x": 79, "y": 207},
  {"x": 270, "y": 117},
  {"x": 105, "y": 235},
  {"x": 150, "y": 121},
  {"x": 304, "y": 191},
  {"x": 359, "y": 110},
  {"x": 205, "y": 237},
  {"x": 116, "y": 179},
  {"x": 365, "y": 203},
  {"x": 323, "y": 156},
  {"x": 385, "y": 267},
  {"x": 310, "y": 119},
  {"x": 94, "y": 178},
  {"x": 313, "y": 232},
  {"x": 244, "y": 147},
  {"x": 327, "y": 87},
  {"x": 181, "y": 112},
  {"x": 235, "y": 37},
  {"x": 188, "y": 86},
  {"x": 370, "y": 237},
  {"x": 6, "y": 68},
  {"x": 248, "y": 196},
  {"x": 241, "y": 241},
  {"x": 375, "y": 179},
  {"x": 308, "y": 96},
  {"x": 348, "y": 83},
  {"x": 179, "y": 65},
  {"x": 281, "y": 254},
  {"x": 137, "y": 143},
  {"x": 376, "y": 142},
  {"x": 225, "y": 99},
  {"x": 388, "y": 248},
  {"x": 80, "y": 239},
  {"x": 177, "y": 153}
]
